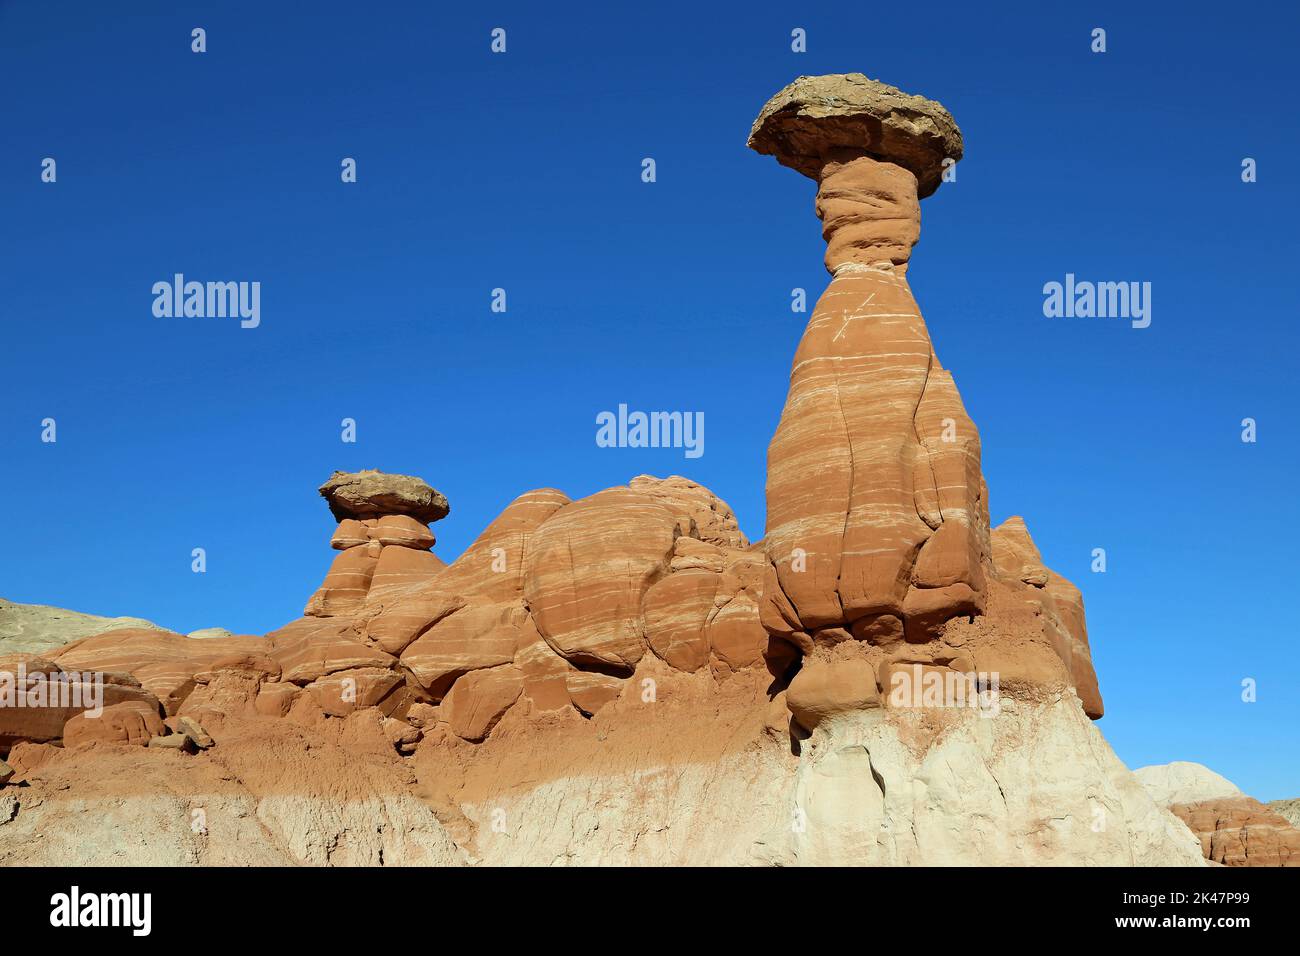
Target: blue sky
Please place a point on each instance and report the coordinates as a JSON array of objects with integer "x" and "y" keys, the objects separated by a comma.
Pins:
[{"x": 522, "y": 171}]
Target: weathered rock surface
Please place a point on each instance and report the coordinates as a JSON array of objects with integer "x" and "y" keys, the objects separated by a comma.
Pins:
[
  {"x": 587, "y": 569},
  {"x": 376, "y": 494},
  {"x": 817, "y": 117},
  {"x": 1233, "y": 829},
  {"x": 130, "y": 722},
  {"x": 1241, "y": 832},
  {"x": 163, "y": 662},
  {"x": 877, "y": 519},
  {"x": 478, "y": 700},
  {"x": 308, "y": 649},
  {"x": 1287, "y": 809}
]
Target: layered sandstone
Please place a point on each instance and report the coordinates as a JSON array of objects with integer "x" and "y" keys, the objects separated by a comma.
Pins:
[
  {"x": 624, "y": 678},
  {"x": 878, "y": 523},
  {"x": 383, "y": 534},
  {"x": 1233, "y": 829}
]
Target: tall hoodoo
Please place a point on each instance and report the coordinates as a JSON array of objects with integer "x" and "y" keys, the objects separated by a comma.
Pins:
[{"x": 877, "y": 514}]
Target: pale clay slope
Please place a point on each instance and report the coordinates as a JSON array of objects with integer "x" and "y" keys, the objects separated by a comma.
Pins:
[
  {"x": 857, "y": 796},
  {"x": 36, "y": 628},
  {"x": 1036, "y": 785},
  {"x": 1185, "y": 782}
]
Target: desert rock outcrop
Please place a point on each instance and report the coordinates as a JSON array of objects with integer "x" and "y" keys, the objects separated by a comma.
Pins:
[
  {"x": 1233, "y": 829},
  {"x": 384, "y": 538},
  {"x": 624, "y": 678},
  {"x": 878, "y": 523}
]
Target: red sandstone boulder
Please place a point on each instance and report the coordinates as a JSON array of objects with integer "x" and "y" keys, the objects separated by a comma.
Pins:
[
  {"x": 590, "y": 691},
  {"x": 129, "y": 722},
  {"x": 588, "y": 567},
  {"x": 310, "y": 648},
  {"x": 479, "y": 699},
  {"x": 677, "y": 609},
  {"x": 343, "y": 692},
  {"x": 469, "y": 639},
  {"x": 821, "y": 691}
]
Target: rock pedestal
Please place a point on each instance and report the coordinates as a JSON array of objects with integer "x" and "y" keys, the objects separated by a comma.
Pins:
[
  {"x": 876, "y": 517},
  {"x": 384, "y": 537},
  {"x": 877, "y": 513}
]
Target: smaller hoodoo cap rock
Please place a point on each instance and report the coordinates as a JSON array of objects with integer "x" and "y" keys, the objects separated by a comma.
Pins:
[
  {"x": 817, "y": 116},
  {"x": 372, "y": 494}
]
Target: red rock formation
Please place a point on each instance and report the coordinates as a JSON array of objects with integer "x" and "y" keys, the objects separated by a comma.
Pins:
[
  {"x": 625, "y": 678},
  {"x": 1241, "y": 832},
  {"x": 384, "y": 536},
  {"x": 130, "y": 722},
  {"x": 877, "y": 525}
]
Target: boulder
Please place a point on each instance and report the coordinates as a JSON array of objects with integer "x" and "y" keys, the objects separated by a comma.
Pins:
[
  {"x": 26, "y": 758},
  {"x": 342, "y": 692},
  {"x": 821, "y": 691},
  {"x": 469, "y": 639},
  {"x": 397, "y": 625},
  {"x": 129, "y": 722},
  {"x": 275, "y": 700},
  {"x": 590, "y": 691},
  {"x": 677, "y": 609},
  {"x": 587, "y": 569},
  {"x": 817, "y": 117},
  {"x": 373, "y": 494},
  {"x": 479, "y": 699},
  {"x": 735, "y": 634},
  {"x": 36, "y": 705},
  {"x": 163, "y": 662},
  {"x": 310, "y": 648}
]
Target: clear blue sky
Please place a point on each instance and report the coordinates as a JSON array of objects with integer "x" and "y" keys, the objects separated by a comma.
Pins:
[{"x": 522, "y": 171}]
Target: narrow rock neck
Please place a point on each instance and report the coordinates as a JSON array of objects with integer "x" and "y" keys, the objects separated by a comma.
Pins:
[{"x": 870, "y": 213}]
